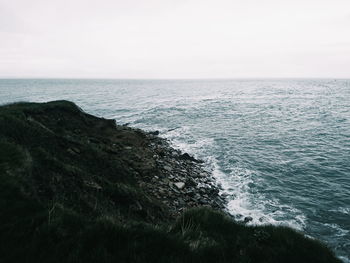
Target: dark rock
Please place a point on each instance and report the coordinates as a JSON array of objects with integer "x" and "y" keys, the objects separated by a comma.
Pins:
[
  {"x": 71, "y": 151},
  {"x": 188, "y": 157},
  {"x": 138, "y": 206},
  {"x": 197, "y": 196},
  {"x": 248, "y": 219},
  {"x": 155, "y": 133},
  {"x": 224, "y": 195},
  {"x": 94, "y": 140}
]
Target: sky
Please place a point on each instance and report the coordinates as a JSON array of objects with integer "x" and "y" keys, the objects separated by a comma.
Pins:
[{"x": 174, "y": 38}]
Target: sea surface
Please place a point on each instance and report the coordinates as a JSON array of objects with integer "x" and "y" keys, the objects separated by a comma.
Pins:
[{"x": 279, "y": 148}]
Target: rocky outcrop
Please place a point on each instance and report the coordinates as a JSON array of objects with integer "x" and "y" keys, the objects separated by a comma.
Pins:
[
  {"x": 181, "y": 183},
  {"x": 79, "y": 158}
]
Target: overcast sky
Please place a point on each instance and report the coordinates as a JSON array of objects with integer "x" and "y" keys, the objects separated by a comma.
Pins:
[{"x": 175, "y": 38}]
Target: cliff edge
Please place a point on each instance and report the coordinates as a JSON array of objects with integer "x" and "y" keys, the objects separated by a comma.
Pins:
[{"x": 78, "y": 188}]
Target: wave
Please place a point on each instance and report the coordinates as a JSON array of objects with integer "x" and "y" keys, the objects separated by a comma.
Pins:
[{"x": 236, "y": 184}]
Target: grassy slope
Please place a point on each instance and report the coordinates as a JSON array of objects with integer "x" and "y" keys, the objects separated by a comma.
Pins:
[{"x": 66, "y": 195}]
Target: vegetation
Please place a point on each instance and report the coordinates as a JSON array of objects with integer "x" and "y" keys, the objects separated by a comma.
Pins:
[{"x": 69, "y": 193}]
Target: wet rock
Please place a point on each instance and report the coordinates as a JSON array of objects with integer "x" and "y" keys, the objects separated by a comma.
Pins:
[
  {"x": 155, "y": 133},
  {"x": 248, "y": 219},
  {"x": 225, "y": 195},
  {"x": 188, "y": 157}
]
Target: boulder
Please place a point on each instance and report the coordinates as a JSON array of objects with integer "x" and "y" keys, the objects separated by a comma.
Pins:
[
  {"x": 188, "y": 157},
  {"x": 155, "y": 133}
]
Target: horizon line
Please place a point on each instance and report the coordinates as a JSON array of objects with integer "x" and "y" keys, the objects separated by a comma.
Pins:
[{"x": 210, "y": 78}]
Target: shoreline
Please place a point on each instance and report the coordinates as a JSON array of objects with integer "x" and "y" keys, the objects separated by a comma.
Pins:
[
  {"x": 182, "y": 183},
  {"x": 76, "y": 186}
]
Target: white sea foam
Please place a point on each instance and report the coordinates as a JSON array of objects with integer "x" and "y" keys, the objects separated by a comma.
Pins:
[
  {"x": 182, "y": 139},
  {"x": 243, "y": 204},
  {"x": 344, "y": 210},
  {"x": 338, "y": 231},
  {"x": 236, "y": 185}
]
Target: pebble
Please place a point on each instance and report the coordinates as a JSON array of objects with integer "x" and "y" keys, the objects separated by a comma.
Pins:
[
  {"x": 180, "y": 185},
  {"x": 168, "y": 168}
]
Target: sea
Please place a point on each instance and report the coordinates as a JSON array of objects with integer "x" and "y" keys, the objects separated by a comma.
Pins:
[{"x": 280, "y": 148}]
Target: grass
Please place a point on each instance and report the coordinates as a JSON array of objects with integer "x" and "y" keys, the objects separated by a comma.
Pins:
[
  {"x": 64, "y": 197},
  {"x": 216, "y": 238}
]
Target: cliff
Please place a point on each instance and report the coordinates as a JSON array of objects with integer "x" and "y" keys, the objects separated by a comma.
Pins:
[{"x": 77, "y": 188}]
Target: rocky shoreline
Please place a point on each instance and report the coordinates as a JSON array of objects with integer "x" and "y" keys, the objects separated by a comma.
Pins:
[
  {"x": 78, "y": 188},
  {"x": 167, "y": 181},
  {"x": 175, "y": 179},
  {"x": 182, "y": 182}
]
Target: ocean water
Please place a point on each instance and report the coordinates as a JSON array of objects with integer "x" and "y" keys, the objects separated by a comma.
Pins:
[{"x": 279, "y": 148}]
